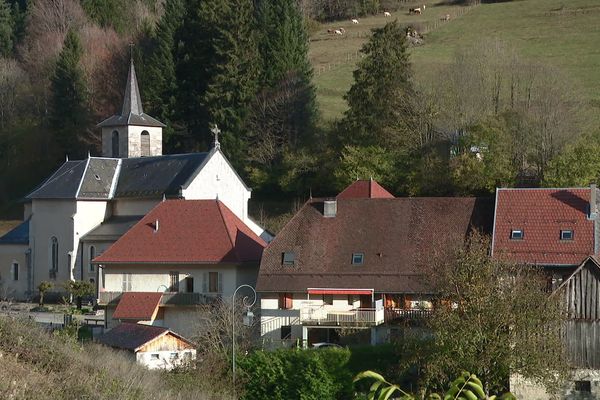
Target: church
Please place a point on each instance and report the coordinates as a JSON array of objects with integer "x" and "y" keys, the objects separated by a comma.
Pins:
[{"x": 87, "y": 205}]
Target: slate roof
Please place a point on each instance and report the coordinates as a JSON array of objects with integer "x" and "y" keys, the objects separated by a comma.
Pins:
[
  {"x": 107, "y": 178},
  {"x": 152, "y": 176},
  {"x": 62, "y": 184},
  {"x": 189, "y": 232},
  {"x": 137, "y": 305},
  {"x": 113, "y": 228},
  {"x": 131, "y": 336},
  {"x": 18, "y": 235},
  {"x": 398, "y": 238},
  {"x": 365, "y": 189},
  {"x": 541, "y": 214},
  {"x": 132, "y": 112},
  {"x": 98, "y": 178}
]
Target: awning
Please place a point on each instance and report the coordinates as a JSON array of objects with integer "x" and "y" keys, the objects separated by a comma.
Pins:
[{"x": 341, "y": 291}]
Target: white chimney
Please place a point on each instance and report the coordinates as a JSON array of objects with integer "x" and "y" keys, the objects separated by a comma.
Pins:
[
  {"x": 156, "y": 226},
  {"x": 329, "y": 208}
]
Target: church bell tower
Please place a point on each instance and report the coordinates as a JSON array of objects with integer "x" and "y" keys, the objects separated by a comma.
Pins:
[{"x": 132, "y": 133}]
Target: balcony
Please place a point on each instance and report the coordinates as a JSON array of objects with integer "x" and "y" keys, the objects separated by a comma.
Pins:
[
  {"x": 393, "y": 315},
  {"x": 168, "y": 299},
  {"x": 318, "y": 314}
]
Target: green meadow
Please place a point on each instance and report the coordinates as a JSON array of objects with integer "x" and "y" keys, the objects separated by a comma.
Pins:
[{"x": 560, "y": 33}]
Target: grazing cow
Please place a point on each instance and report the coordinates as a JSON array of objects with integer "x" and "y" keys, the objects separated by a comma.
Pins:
[
  {"x": 414, "y": 10},
  {"x": 445, "y": 17},
  {"x": 342, "y": 30},
  {"x": 330, "y": 31},
  {"x": 355, "y": 21},
  {"x": 386, "y": 14},
  {"x": 338, "y": 32}
]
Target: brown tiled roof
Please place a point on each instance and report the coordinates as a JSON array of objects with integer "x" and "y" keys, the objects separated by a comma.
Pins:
[
  {"x": 189, "y": 231},
  {"x": 397, "y": 236},
  {"x": 541, "y": 214},
  {"x": 365, "y": 189},
  {"x": 137, "y": 305},
  {"x": 131, "y": 336}
]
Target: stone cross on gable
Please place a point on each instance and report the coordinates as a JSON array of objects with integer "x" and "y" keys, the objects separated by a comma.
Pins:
[{"x": 215, "y": 131}]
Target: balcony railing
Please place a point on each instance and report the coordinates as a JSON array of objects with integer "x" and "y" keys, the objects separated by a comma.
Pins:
[
  {"x": 323, "y": 315},
  {"x": 402, "y": 314},
  {"x": 168, "y": 299}
]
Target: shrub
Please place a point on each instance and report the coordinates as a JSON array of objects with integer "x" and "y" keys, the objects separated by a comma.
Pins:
[{"x": 297, "y": 374}]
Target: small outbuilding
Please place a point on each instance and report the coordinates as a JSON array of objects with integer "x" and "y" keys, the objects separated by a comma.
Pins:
[{"x": 151, "y": 346}]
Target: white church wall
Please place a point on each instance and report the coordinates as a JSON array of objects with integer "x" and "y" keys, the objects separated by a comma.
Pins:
[
  {"x": 88, "y": 216},
  {"x": 218, "y": 180},
  {"x": 51, "y": 218},
  {"x": 99, "y": 248},
  {"x": 9, "y": 287},
  {"x": 134, "y": 206}
]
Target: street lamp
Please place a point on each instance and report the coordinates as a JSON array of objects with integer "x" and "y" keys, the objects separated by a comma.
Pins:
[{"x": 248, "y": 319}]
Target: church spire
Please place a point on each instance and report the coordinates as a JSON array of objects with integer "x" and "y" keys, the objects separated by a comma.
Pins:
[{"x": 132, "y": 102}]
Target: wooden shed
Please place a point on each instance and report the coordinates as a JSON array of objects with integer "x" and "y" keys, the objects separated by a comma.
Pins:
[{"x": 152, "y": 346}]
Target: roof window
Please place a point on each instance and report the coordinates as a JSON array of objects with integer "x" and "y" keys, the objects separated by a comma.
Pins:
[
  {"x": 516, "y": 234},
  {"x": 566, "y": 234},
  {"x": 358, "y": 258},
  {"x": 288, "y": 258}
]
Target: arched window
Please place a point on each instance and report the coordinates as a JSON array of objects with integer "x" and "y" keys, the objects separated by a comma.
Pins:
[
  {"x": 145, "y": 144},
  {"x": 92, "y": 256},
  {"x": 54, "y": 254},
  {"x": 115, "y": 144}
]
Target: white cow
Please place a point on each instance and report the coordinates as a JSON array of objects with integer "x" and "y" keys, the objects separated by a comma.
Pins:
[
  {"x": 355, "y": 21},
  {"x": 386, "y": 14}
]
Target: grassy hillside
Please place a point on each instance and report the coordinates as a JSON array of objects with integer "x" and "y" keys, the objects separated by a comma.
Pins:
[
  {"x": 35, "y": 364},
  {"x": 555, "y": 32}
]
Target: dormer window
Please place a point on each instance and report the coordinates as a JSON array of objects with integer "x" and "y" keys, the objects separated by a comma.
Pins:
[
  {"x": 566, "y": 234},
  {"x": 358, "y": 258},
  {"x": 516, "y": 234},
  {"x": 288, "y": 258}
]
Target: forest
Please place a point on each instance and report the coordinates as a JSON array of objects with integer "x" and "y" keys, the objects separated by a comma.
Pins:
[{"x": 492, "y": 117}]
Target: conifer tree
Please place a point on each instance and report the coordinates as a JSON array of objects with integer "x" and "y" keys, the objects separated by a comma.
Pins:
[
  {"x": 160, "y": 82},
  {"x": 217, "y": 70},
  {"x": 6, "y": 29},
  {"x": 380, "y": 101},
  {"x": 284, "y": 111},
  {"x": 69, "y": 116}
]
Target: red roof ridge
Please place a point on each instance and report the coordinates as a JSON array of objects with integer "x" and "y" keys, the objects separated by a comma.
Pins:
[
  {"x": 364, "y": 188},
  {"x": 227, "y": 227}
]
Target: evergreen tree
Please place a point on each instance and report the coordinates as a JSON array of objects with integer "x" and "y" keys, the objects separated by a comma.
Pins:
[
  {"x": 69, "y": 116},
  {"x": 284, "y": 111},
  {"x": 6, "y": 29},
  {"x": 160, "y": 82},
  {"x": 380, "y": 101},
  {"x": 217, "y": 70}
]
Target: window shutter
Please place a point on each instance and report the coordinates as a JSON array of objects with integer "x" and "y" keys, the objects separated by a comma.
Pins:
[
  {"x": 204, "y": 282},
  {"x": 220, "y": 283}
]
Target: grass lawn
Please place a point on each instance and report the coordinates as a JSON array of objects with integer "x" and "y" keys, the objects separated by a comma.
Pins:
[{"x": 562, "y": 33}]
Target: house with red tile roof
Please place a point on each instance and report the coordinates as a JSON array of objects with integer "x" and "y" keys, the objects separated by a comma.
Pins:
[
  {"x": 181, "y": 255},
  {"x": 359, "y": 262},
  {"x": 555, "y": 228},
  {"x": 365, "y": 189}
]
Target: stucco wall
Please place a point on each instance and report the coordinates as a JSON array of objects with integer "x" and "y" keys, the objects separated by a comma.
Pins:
[
  {"x": 155, "y": 278},
  {"x": 9, "y": 288},
  {"x": 130, "y": 141},
  {"x": 51, "y": 218},
  {"x": 527, "y": 389},
  {"x": 133, "y": 206},
  {"x": 89, "y": 215},
  {"x": 164, "y": 359}
]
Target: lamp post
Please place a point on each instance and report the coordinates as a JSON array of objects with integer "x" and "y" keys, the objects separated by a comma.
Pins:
[{"x": 247, "y": 321}]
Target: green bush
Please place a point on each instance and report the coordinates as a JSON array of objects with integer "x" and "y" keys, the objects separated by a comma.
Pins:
[{"x": 297, "y": 374}]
